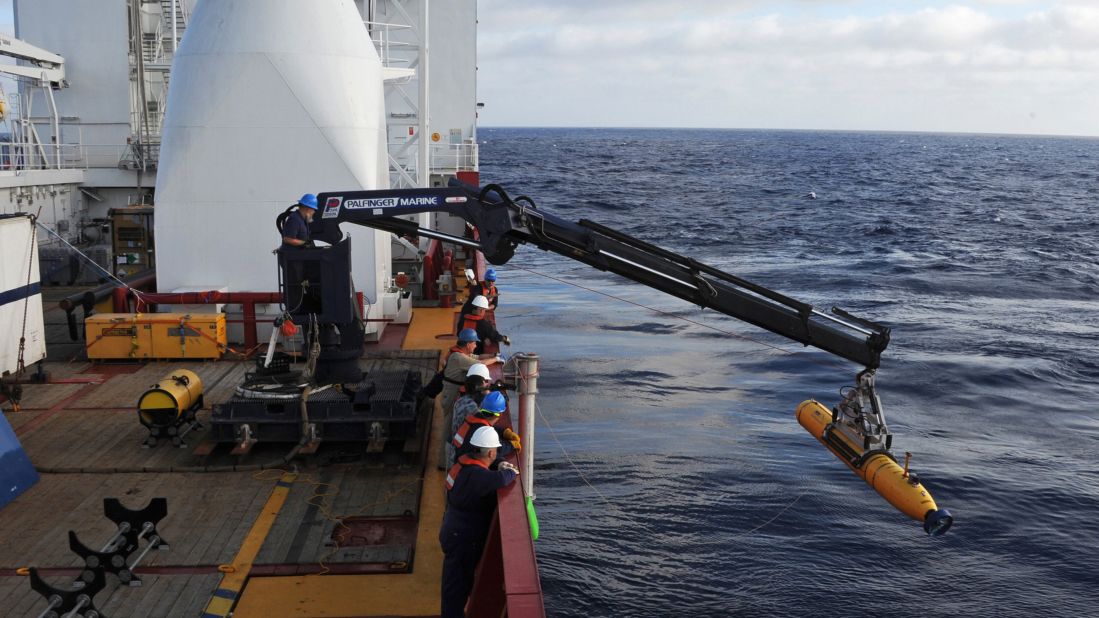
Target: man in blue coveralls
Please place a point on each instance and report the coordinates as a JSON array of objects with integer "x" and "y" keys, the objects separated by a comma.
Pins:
[
  {"x": 295, "y": 231},
  {"x": 471, "y": 500}
]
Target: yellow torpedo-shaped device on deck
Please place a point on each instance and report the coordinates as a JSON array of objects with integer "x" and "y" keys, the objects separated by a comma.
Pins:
[{"x": 863, "y": 444}]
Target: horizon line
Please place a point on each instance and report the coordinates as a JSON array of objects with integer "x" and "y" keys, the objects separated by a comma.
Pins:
[{"x": 800, "y": 130}]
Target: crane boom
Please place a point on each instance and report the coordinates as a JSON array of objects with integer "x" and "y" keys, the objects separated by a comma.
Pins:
[
  {"x": 503, "y": 224},
  {"x": 46, "y": 66}
]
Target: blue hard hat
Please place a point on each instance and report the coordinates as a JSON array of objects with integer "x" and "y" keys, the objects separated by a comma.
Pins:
[
  {"x": 494, "y": 403},
  {"x": 490, "y": 274},
  {"x": 309, "y": 200},
  {"x": 467, "y": 335}
]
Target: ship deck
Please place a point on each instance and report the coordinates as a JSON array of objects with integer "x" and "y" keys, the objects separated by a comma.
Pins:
[{"x": 257, "y": 542}]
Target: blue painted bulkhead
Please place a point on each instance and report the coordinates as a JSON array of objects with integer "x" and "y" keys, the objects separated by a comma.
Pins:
[{"x": 17, "y": 474}]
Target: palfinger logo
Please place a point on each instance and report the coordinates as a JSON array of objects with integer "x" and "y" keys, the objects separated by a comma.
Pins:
[{"x": 332, "y": 208}]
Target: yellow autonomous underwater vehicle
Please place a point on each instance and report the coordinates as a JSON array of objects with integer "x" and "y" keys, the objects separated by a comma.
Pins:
[{"x": 855, "y": 432}]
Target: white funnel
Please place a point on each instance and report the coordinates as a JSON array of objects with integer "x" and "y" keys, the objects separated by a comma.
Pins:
[{"x": 269, "y": 99}]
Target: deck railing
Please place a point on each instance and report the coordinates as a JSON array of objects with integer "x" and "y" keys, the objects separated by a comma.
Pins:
[
  {"x": 386, "y": 43},
  {"x": 454, "y": 158},
  {"x": 32, "y": 156}
]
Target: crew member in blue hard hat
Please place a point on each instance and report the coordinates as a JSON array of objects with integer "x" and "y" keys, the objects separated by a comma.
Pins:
[
  {"x": 471, "y": 486},
  {"x": 295, "y": 228},
  {"x": 485, "y": 329},
  {"x": 492, "y": 406},
  {"x": 486, "y": 288},
  {"x": 458, "y": 361}
]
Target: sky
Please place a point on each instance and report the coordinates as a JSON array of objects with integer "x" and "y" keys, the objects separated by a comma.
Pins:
[{"x": 982, "y": 66}]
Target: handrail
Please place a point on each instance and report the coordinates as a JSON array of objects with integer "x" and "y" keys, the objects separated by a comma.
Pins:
[
  {"x": 158, "y": 51},
  {"x": 463, "y": 157},
  {"x": 388, "y": 25},
  {"x": 380, "y": 35},
  {"x": 23, "y": 155}
]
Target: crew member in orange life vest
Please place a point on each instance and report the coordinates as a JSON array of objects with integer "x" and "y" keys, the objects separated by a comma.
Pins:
[
  {"x": 476, "y": 320},
  {"x": 458, "y": 361},
  {"x": 471, "y": 486},
  {"x": 492, "y": 406},
  {"x": 478, "y": 384},
  {"x": 469, "y": 399},
  {"x": 486, "y": 288}
]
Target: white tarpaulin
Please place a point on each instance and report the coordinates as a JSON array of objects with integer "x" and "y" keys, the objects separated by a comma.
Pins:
[{"x": 17, "y": 295}]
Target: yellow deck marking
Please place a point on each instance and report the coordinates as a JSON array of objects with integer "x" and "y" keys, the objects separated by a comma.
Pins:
[
  {"x": 404, "y": 594},
  {"x": 227, "y": 591}
]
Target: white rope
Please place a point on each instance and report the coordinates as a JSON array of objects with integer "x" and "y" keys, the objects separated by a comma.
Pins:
[
  {"x": 820, "y": 361},
  {"x": 88, "y": 259},
  {"x": 624, "y": 515},
  {"x": 575, "y": 468},
  {"x": 828, "y": 360},
  {"x": 777, "y": 515},
  {"x": 20, "y": 364}
]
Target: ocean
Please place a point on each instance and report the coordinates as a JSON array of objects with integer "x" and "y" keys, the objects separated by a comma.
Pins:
[{"x": 672, "y": 478}]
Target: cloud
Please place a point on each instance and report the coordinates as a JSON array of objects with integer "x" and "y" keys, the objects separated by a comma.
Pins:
[{"x": 978, "y": 66}]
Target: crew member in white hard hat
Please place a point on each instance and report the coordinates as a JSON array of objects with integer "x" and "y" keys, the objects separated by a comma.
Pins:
[
  {"x": 470, "y": 394},
  {"x": 475, "y": 320},
  {"x": 458, "y": 361},
  {"x": 295, "y": 228},
  {"x": 471, "y": 500}
]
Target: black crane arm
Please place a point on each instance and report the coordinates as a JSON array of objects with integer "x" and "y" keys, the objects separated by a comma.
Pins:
[{"x": 503, "y": 224}]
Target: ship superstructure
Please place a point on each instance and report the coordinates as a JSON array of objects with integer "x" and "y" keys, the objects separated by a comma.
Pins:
[{"x": 76, "y": 153}]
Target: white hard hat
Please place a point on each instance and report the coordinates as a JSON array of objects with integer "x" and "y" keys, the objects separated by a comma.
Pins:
[
  {"x": 481, "y": 302},
  {"x": 485, "y": 437},
  {"x": 478, "y": 369}
]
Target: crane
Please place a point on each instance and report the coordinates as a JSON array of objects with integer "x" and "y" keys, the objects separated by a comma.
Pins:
[
  {"x": 855, "y": 430},
  {"x": 44, "y": 66},
  {"x": 42, "y": 69}
]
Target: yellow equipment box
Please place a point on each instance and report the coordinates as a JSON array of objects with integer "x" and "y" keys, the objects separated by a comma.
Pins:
[
  {"x": 118, "y": 335},
  {"x": 155, "y": 335},
  {"x": 183, "y": 335}
]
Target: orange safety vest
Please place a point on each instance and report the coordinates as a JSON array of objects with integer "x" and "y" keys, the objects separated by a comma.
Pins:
[
  {"x": 464, "y": 460},
  {"x": 453, "y": 350},
  {"x": 471, "y": 321},
  {"x": 491, "y": 291},
  {"x": 472, "y": 420}
]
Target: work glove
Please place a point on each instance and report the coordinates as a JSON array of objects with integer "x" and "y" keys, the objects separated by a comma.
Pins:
[
  {"x": 505, "y": 340},
  {"x": 505, "y": 465},
  {"x": 513, "y": 437}
]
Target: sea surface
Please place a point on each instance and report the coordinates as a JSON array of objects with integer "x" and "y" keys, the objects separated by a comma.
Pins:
[{"x": 672, "y": 477}]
